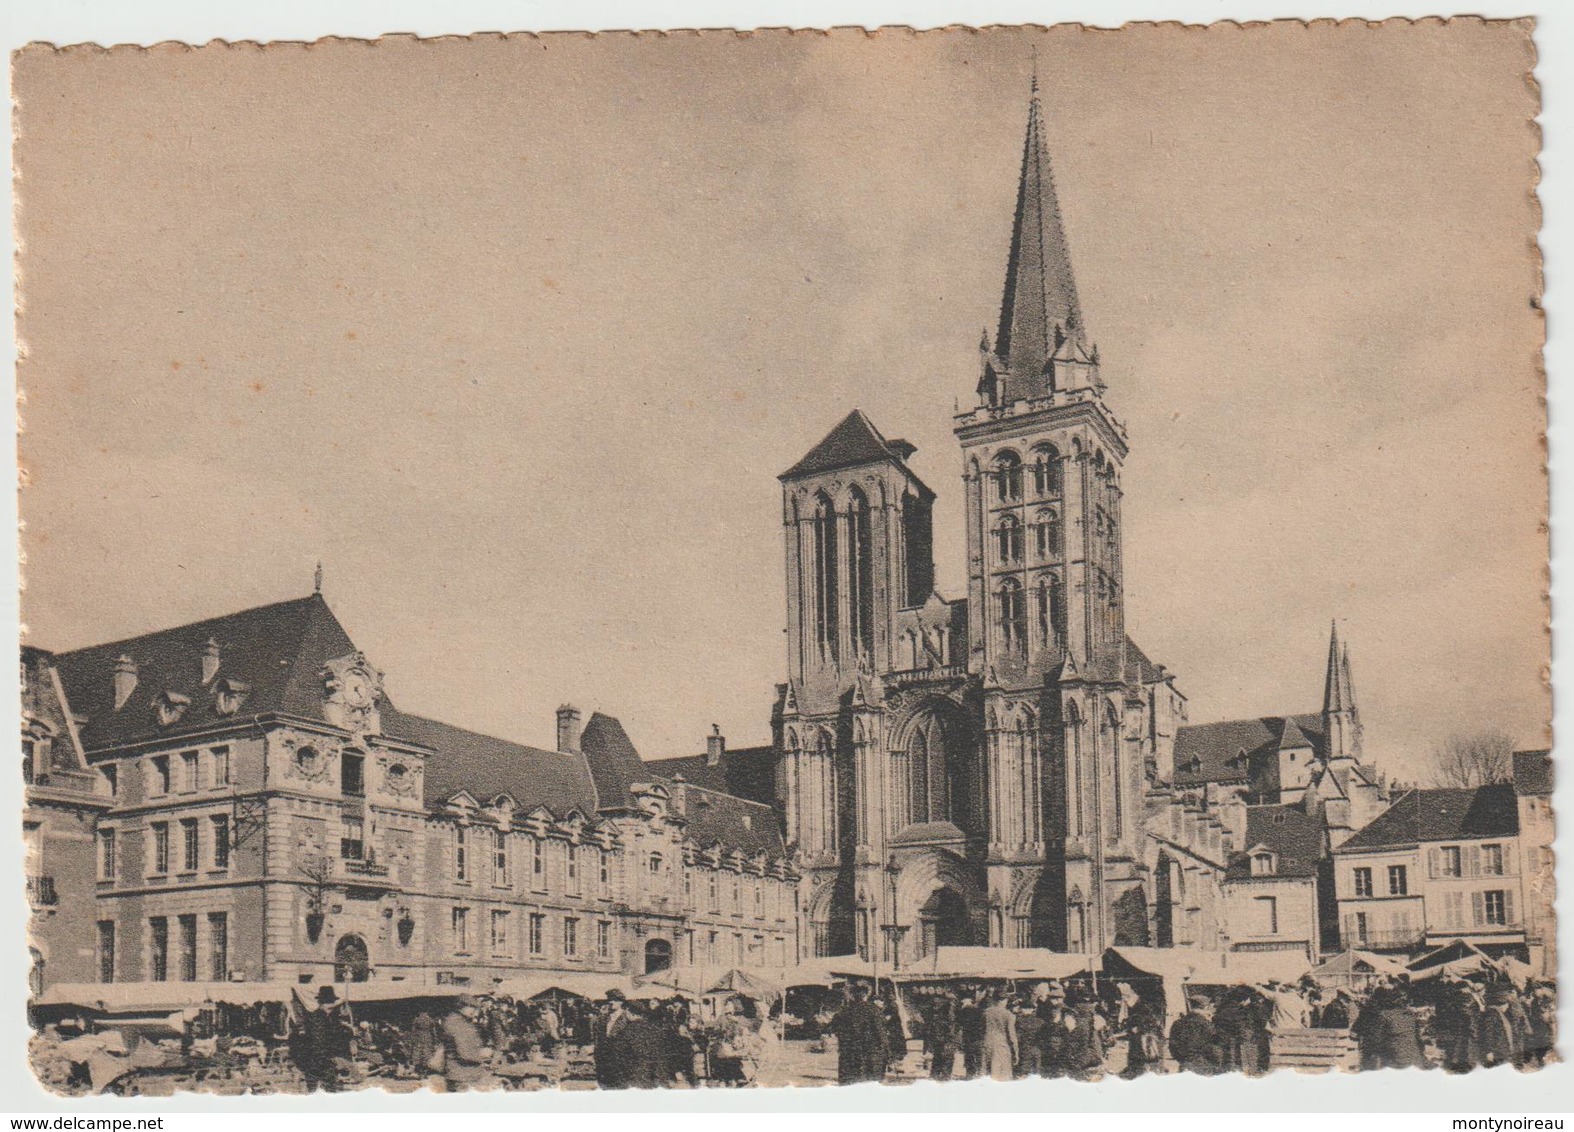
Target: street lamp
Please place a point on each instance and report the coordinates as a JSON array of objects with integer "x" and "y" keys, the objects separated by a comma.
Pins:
[{"x": 893, "y": 930}]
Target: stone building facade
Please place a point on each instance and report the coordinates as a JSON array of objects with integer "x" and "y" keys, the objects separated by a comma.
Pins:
[{"x": 239, "y": 799}]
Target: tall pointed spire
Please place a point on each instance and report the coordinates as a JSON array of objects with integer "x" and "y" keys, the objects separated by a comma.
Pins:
[
  {"x": 1341, "y": 721},
  {"x": 1334, "y": 698},
  {"x": 1040, "y": 308}
]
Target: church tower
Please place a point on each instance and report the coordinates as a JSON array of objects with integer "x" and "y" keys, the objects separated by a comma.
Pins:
[{"x": 1042, "y": 457}]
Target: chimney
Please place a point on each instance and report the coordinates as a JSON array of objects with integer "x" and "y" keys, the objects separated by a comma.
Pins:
[
  {"x": 125, "y": 680},
  {"x": 568, "y": 729},
  {"x": 210, "y": 661},
  {"x": 715, "y": 745}
]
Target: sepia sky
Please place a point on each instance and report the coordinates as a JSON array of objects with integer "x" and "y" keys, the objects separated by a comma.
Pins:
[{"x": 516, "y": 334}]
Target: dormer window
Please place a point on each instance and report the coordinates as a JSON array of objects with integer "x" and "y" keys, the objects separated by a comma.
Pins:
[
  {"x": 170, "y": 707},
  {"x": 352, "y": 774},
  {"x": 1262, "y": 865},
  {"x": 229, "y": 695}
]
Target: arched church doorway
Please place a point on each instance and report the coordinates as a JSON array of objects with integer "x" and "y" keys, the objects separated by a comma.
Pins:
[
  {"x": 944, "y": 921},
  {"x": 658, "y": 956},
  {"x": 351, "y": 962}
]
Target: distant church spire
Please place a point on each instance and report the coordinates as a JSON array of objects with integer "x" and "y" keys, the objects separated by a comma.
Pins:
[
  {"x": 317, "y": 579},
  {"x": 1040, "y": 308},
  {"x": 1340, "y": 717}
]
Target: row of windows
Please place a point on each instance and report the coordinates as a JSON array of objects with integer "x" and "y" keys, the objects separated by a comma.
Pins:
[
  {"x": 1452, "y": 861},
  {"x": 1045, "y": 531},
  {"x": 1048, "y": 612},
  {"x": 173, "y": 952},
  {"x": 497, "y": 862},
  {"x": 183, "y": 773},
  {"x": 173, "y": 847},
  {"x": 1045, "y": 473},
  {"x": 500, "y": 938},
  {"x": 1397, "y": 881}
]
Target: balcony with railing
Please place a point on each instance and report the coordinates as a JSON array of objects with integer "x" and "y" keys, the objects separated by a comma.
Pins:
[
  {"x": 41, "y": 892},
  {"x": 1393, "y": 939}
]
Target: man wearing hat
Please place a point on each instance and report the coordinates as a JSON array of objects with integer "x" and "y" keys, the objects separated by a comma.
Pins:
[
  {"x": 1193, "y": 1043},
  {"x": 605, "y": 1050},
  {"x": 467, "y": 1056},
  {"x": 323, "y": 1041},
  {"x": 861, "y": 1040}
]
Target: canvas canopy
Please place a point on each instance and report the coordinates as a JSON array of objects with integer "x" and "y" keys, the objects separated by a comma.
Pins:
[
  {"x": 1254, "y": 968},
  {"x": 1457, "y": 957},
  {"x": 996, "y": 963},
  {"x": 1354, "y": 968},
  {"x": 584, "y": 984},
  {"x": 163, "y": 997}
]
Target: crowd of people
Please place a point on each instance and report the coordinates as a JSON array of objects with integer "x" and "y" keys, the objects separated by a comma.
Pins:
[{"x": 1081, "y": 1029}]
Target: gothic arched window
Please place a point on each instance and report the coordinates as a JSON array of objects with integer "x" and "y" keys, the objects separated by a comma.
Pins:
[
  {"x": 1049, "y": 612},
  {"x": 825, "y": 575},
  {"x": 860, "y": 574},
  {"x": 1012, "y": 614},
  {"x": 1008, "y": 477},
  {"x": 1008, "y": 539},
  {"x": 1046, "y": 470},
  {"x": 1047, "y": 538}
]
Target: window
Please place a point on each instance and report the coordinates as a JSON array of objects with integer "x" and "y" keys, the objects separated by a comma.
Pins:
[
  {"x": 1008, "y": 539},
  {"x": 605, "y": 870},
  {"x": 221, "y": 766},
  {"x": 860, "y": 573},
  {"x": 218, "y": 946},
  {"x": 1266, "y": 909},
  {"x": 715, "y": 897},
  {"x": 1262, "y": 864},
  {"x": 1492, "y": 860},
  {"x": 1452, "y": 866},
  {"x": 737, "y": 894},
  {"x": 160, "y": 777},
  {"x": 827, "y": 581},
  {"x": 460, "y": 921},
  {"x": 655, "y": 864},
  {"x": 500, "y": 857},
  {"x": 111, "y": 773},
  {"x": 158, "y": 949},
  {"x": 1012, "y": 615},
  {"x": 190, "y": 772},
  {"x": 352, "y": 774},
  {"x": 352, "y": 845},
  {"x": 1363, "y": 882},
  {"x": 188, "y": 949},
  {"x": 221, "y": 841},
  {"x": 461, "y": 860},
  {"x": 106, "y": 951},
  {"x": 1046, "y": 471},
  {"x": 1360, "y": 927},
  {"x": 737, "y": 948},
  {"x": 499, "y": 932},
  {"x": 570, "y": 937},
  {"x": 759, "y": 898},
  {"x": 1397, "y": 885},
  {"x": 571, "y": 868},
  {"x": 711, "y": 946},
  {"x": 604, "y": 940},
  {"x": 538, "y": 931},
  {"x": 1051, "y": 612},
  {"x": 1008, "y": 477},
  {"x": 160, "y": 847},
  {"x": 1046, "y": 535},
  {"x": 106, "y": 854},
  {"x": 191, "y": 845},
  {"x": 1494, "y": 905},
  {"x": 538, "y": 865}
]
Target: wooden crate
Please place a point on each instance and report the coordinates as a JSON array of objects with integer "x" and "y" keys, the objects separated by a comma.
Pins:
[{"x": 1315, "y": 1051}]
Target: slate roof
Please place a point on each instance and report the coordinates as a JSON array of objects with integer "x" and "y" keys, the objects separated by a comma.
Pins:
[
  {"x": 1139, "y": 669},
  {"x": 614, "y": 762},
  {"x": 1533, "y": 773},
  {"x": 853, "y": 442},
  {"x": 278, "y": 650},
  {"x": 1440, "y": 815},
  {"x": 734, "y": 822},
  {"x": 1216, "y": 747},
  {"x": 487, "y": 766},
  {"x": 1288, "y": 832},
  {"x": 747, "y": 772}
]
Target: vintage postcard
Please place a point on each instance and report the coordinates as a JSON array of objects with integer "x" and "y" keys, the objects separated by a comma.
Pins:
[{"x": 724, "y": 560}]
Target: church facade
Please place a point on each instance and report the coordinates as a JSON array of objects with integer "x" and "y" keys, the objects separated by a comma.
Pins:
[{"x": 999, "y": 767}]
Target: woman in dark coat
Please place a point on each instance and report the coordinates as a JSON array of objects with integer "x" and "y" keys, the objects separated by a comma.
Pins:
[
  {"x": 1389, "y": 1030},
  {"x": 862, "y": 1049}
]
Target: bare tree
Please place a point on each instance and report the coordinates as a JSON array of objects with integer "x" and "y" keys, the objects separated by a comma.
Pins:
[{"x": 1477, "y": 759}]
